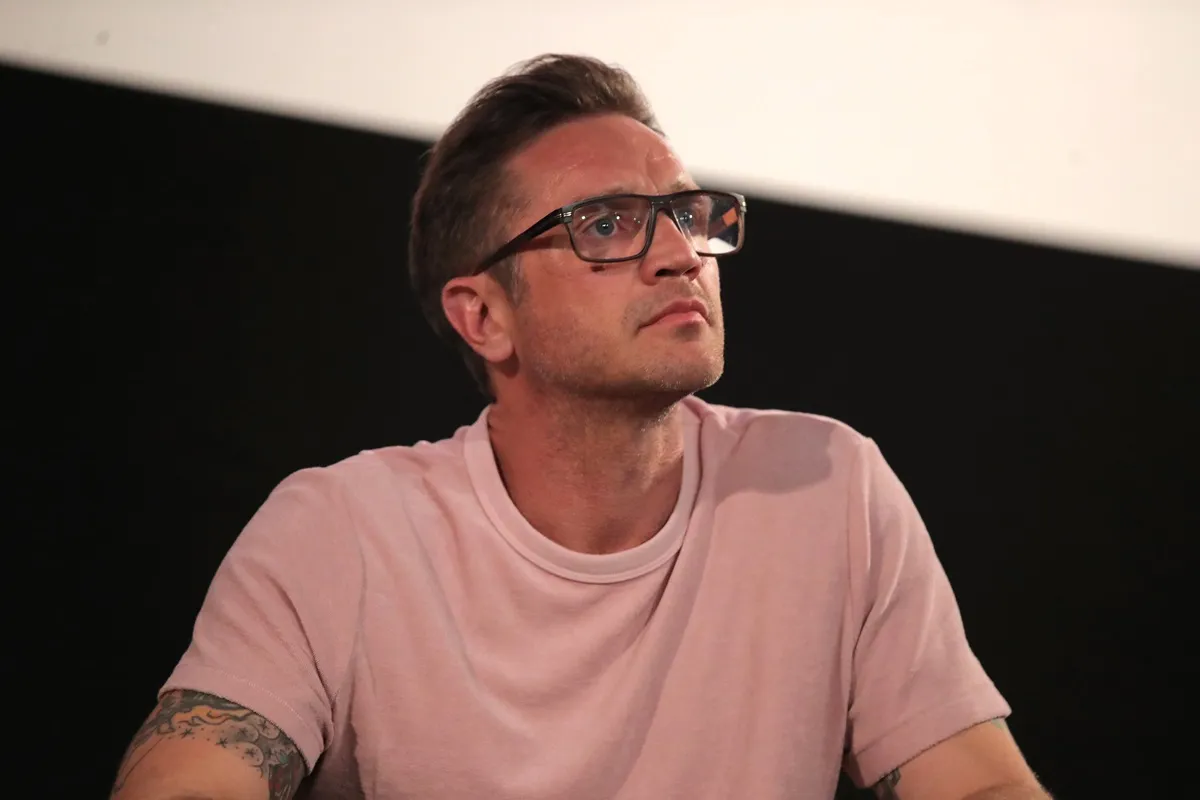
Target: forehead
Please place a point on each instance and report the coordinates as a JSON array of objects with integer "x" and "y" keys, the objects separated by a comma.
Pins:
[{"x": 597, "y": 155}]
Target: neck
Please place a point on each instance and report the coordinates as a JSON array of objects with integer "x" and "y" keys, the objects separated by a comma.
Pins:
[{"x": 596, "y": 476}]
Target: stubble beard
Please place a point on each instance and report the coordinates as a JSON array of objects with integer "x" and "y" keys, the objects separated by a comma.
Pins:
[{"x": 648, "y": 388}]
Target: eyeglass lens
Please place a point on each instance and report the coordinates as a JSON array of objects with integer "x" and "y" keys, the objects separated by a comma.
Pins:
[{"x": 615, "y": 228}]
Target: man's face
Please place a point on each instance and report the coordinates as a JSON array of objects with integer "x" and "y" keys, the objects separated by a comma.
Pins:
[{"x": 589, "y": 329}]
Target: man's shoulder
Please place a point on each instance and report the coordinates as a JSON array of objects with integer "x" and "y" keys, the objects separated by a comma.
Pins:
[
  {"x": 778, "y": 451},
  {"x": 378, "y": 470},
  {"x": 777, "y": 428}
]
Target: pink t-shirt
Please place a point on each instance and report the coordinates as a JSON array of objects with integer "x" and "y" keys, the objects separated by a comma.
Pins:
[{"x": 402, "y": 622}]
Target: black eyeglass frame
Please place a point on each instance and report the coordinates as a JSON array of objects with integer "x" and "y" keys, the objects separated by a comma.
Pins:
[{"x": 658, "y": 203}]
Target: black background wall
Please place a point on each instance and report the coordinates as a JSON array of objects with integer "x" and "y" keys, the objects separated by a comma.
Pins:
[{"x": 202, "y": 300}]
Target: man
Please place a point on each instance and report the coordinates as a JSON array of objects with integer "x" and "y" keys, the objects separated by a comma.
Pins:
[{"x": 604, "y": 587}]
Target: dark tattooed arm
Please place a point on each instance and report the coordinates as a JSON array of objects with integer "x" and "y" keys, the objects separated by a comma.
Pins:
[{"x": 201, "y": 745}]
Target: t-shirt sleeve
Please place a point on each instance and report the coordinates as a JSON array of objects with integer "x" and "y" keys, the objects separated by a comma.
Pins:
[
  {"x": 277, "y": 625},
  {"x": 916, "y": 681}
]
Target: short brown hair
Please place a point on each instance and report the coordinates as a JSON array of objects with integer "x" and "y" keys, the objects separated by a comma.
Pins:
[{"x": 464, "y": 201}]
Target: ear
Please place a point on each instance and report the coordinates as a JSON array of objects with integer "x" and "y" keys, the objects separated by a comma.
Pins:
[{"x": 478, "y": 309}]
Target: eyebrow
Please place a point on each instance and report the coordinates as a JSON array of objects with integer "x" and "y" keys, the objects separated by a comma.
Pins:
[{"x": 680, "y": 184}]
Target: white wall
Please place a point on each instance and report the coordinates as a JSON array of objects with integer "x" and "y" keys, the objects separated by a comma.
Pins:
[{"x": 1067, "y": 121}]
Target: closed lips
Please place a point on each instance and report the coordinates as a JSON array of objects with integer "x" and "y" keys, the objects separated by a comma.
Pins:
[{"x": 680, "y": 307}]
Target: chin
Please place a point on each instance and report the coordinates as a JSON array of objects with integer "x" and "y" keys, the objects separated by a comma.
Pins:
[
  {"x": 684, "y": 378},
  {"x": 661, "y": 378}
]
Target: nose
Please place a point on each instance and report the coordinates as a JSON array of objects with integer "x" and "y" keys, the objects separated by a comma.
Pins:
[{"x": 671, "y": 253}]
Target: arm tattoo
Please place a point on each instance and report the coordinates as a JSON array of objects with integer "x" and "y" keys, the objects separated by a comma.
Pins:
[
  {"x": 886, "y": 788},
  {"x": 184, "y": 714}
]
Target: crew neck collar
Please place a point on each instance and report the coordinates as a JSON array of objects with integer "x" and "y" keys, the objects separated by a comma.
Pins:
[{"x": 564, "y": 562}]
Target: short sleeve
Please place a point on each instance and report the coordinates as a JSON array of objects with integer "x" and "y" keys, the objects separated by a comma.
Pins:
[
  {"x": 277, "y": 626},
  {"x": 916, "y": 681}
]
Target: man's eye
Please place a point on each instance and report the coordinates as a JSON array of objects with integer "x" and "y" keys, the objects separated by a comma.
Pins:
[
  {"x": 605, "y": 227},
  {"x": 614, "y": 223}
]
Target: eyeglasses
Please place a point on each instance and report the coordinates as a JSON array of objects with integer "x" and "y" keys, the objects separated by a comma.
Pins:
[{"x": 620, "y": 227}]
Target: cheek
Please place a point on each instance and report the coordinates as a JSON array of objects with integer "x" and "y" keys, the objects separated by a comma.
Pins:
[
  {"x": 710, "y": 279},
  {"x": 710, "y": 282},
  {"x": 575, "y": 331},
  {"x": 562, "y": 315},
  {"x": 552, "y": 327}
]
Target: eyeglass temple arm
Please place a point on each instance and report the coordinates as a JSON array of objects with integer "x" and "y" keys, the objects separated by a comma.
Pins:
[{"x": 533, "y": 231}]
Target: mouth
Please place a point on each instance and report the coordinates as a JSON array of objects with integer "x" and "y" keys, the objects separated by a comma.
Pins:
[{"x": 680, "y": 312}]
